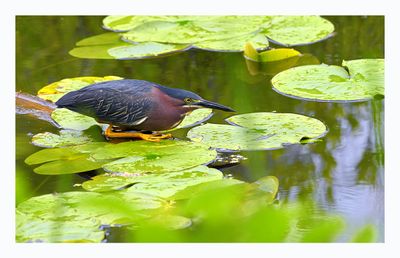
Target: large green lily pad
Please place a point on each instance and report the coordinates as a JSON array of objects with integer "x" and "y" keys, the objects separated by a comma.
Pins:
[
  {"x": 203, "y": 30},
  {"x": 142, "y": 157},
  {"x": 56, "y": 90},
  {"x": 363, "y": 80},
  {"x": 160, "y": 184},
  {"x": 258, "y": 131}
]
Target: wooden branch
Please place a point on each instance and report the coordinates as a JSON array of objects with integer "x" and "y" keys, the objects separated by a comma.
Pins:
[{"x": 27, "y": 104}]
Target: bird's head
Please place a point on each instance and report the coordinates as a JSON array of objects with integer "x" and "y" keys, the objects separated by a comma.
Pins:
[{"x": 192, "y": 101}]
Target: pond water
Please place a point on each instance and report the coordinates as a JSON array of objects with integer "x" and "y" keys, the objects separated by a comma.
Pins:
[{"x": 343, "y": 173}]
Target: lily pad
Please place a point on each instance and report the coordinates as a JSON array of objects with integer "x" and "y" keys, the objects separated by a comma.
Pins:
[
  {"x": 209, "y": 32},
  {"x": 127, "y": 157},
  {"x": 194, "y": 190},
  {"x": 72, "y": 120},
  {"x": 71, "y": 152},
  {"x": 193, "y": 29},
  {"x": 259, "y": 40},
  {"x": 65, "y": 138},
  {"x": 363, "y": 80},
  {"x": 67, "y": 160},
  {"x": 32, "y": 229},
  {"x": 142, "y": 157},
  {"x": 107, "y": 209},
  {"x": 110, "y": 46},
  {"x": 121, "y": 23},
  {"x": 291, "y": 30},
  {"x": 56, "y": 90},
  {"x": 257, "y": 131},
  {"x": 160, "y": 184}
]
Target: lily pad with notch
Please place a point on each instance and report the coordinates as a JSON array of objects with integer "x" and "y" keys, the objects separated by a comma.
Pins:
[{"x": 357, "y": 80}]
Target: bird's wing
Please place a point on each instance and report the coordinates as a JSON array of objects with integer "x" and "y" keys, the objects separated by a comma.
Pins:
[{"x": 125, "y": 106}]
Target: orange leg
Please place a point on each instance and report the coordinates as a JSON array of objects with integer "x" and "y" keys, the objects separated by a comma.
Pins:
[{"x": 109, "y": 133}]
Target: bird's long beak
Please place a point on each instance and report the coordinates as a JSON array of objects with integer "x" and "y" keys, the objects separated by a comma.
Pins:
[{"x": 210, "y": 104}]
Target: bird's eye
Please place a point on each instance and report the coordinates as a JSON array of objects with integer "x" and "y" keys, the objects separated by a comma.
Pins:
[{"x": 188, "y": 100}]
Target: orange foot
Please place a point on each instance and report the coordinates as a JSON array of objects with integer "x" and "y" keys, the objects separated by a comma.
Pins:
[{"x": 109, "y": 133}]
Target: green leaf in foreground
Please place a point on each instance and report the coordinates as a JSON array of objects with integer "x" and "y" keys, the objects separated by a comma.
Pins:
[
  {"x": 258, "y": 131},
  {"x": 363, "y": 81},
  {"x": 367, "y": 234},
  {"x": 77, "y": 216},
  {"x": 33, "y": 229}
]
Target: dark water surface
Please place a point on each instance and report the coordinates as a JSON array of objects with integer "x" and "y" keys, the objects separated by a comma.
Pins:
[{"x": 344, "y": 173}]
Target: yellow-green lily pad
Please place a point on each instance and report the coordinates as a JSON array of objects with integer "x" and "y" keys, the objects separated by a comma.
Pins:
[
  {"x": 56, "y": 90},
  {"x": 271, "y": 55},
  {"x": 363, "y": 80}
]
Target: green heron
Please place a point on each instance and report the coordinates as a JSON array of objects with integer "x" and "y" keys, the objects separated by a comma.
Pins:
[{"x": 135, "y": 105}]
